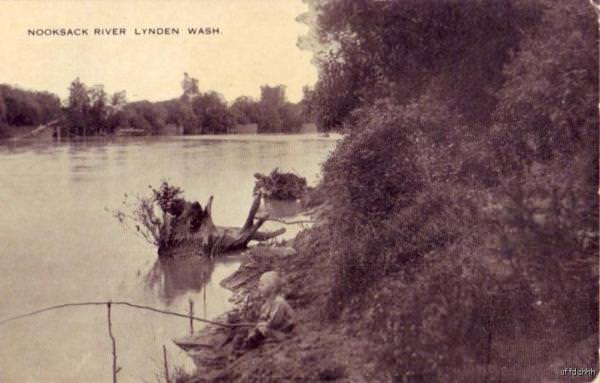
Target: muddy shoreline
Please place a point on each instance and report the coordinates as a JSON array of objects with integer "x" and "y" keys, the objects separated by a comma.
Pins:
[
  {"x": 312, "y": 352},
  {"x": 211, "y": 348}
]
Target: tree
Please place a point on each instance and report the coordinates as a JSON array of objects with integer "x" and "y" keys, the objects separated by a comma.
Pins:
[
  {"x": 291, "y": 117},
  {"x": 98, "y": 112},
  {"x": 212, "y": 113},
  {"x": 398, "y": 49},
  {"x": 20, "y": 107},
  {"x": 245, "y": 110},
  {"x": 116, "y": 115},
  {"x": 181, "y": 113},
  {"x": 78, "y": 107},
  {"x": 49, "y": 106},
  {"x": 335, "y": 95},
  {"x": 188, "y": 118},
  {"x": 307, "y": 103},
  {"x": 271, "y": 100},
  {"x": 2, "y": 110},
  {"x": 146, "y": 116},
  {"x": 190, "y": 87},
  {"x": 272, "y": 95},
  {"x": 548, "y": 106},
  {"x": 118, "y": 99}
]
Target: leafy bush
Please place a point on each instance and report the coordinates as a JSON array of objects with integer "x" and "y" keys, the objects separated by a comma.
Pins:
[
  {"x": 547, "y": 227},
  {"x": 280, "y": 185},
  {"x": 390, "y": 196},
  {"x": 442, "y": 318},
  {"x": 143, "y": 216},
  {"x": 166, "y": 195},
  {"x": 544, "y": 145}
]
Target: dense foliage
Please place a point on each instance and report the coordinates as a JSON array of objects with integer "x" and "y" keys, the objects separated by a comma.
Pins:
[
  {"x": 468, "y": 179},
  {"x": 195, "y": 111},
  {"x": 90, "y": 111},
  {"x": 19, "y": 108},
  {"x": 272, "y": 113},
  {"x": 280, "y": 185},
  {"x": 145, "y": 215}
]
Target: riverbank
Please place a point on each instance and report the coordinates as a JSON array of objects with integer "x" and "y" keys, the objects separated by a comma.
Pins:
[
  {"x": 351, "y": 348},
  {"x": 34, "y": 134},
  {"x": 9, "y": 132},
  {"x": 316, "y": 350}
]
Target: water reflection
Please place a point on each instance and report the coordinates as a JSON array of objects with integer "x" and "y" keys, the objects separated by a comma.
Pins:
[
  {"x": 281, "y": 209},
  {"x": 170, "y": 278}
]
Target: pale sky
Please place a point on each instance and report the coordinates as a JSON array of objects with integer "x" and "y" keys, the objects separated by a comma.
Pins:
[{"x": 257, "y": 45}]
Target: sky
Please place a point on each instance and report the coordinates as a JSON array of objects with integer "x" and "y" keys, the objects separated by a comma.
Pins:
[{"x": 256, "y": 45}]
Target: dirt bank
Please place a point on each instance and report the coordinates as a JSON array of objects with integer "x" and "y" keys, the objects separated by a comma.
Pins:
[
  {"x": 344, "y": 350},
  {"x": 316, "y": 350}
]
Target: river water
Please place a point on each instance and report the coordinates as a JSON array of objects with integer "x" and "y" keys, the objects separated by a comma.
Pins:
[{"x": 59, "y": 244}]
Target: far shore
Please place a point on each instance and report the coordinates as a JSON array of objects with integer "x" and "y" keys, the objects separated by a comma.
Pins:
[{"x": 30, "y": 137}]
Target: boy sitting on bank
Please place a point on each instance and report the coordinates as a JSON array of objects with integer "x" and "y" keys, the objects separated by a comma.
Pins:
[{"x": 276, "y": 316}]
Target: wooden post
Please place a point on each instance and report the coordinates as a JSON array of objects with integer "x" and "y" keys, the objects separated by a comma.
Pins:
[
  {"x": 204, "y": 298},
  {"x": 167, "y": 379},
  {"x": 191, "y": 317},
  {"x": 114, "y": 345}
]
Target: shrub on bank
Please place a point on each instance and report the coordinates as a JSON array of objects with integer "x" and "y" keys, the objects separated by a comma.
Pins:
[
  {"x": 4, "y": 131},
  {"x": 390, "y": 203},
  {"x": 461, "y": 269}
]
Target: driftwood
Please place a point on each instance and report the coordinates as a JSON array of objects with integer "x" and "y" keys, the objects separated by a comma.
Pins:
[{"x": 188, "y": 228}]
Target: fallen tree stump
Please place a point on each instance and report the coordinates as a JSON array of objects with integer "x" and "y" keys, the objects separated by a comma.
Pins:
[
  {"x": 186, "y": 228},
  {"x": 189, "y": 227}
]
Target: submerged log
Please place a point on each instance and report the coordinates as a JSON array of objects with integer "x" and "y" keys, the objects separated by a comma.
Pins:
[{"x": 188, "y": 228}]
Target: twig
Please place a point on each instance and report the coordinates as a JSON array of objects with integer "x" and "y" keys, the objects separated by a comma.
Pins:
[
  {"x": 287, "y": 222},
  {"x": 191, "y": 317},
  {"x": 167, "y": 379},
  {"x": 114, "y": 344},
  {"x": 123, "y": 303},
  {"x": 123, "y": 217}
]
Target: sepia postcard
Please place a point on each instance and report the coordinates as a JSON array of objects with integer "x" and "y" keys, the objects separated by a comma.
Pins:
[{"x": 394, "y": 191}]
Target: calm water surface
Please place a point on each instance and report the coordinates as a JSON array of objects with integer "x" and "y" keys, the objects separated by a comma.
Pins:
[{"x": 58, "y": 244}]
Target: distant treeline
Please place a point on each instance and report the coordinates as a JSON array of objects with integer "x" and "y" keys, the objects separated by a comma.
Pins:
[
  {"x": 90, "y": 111},
  {"x": 20, "y": 108}
]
